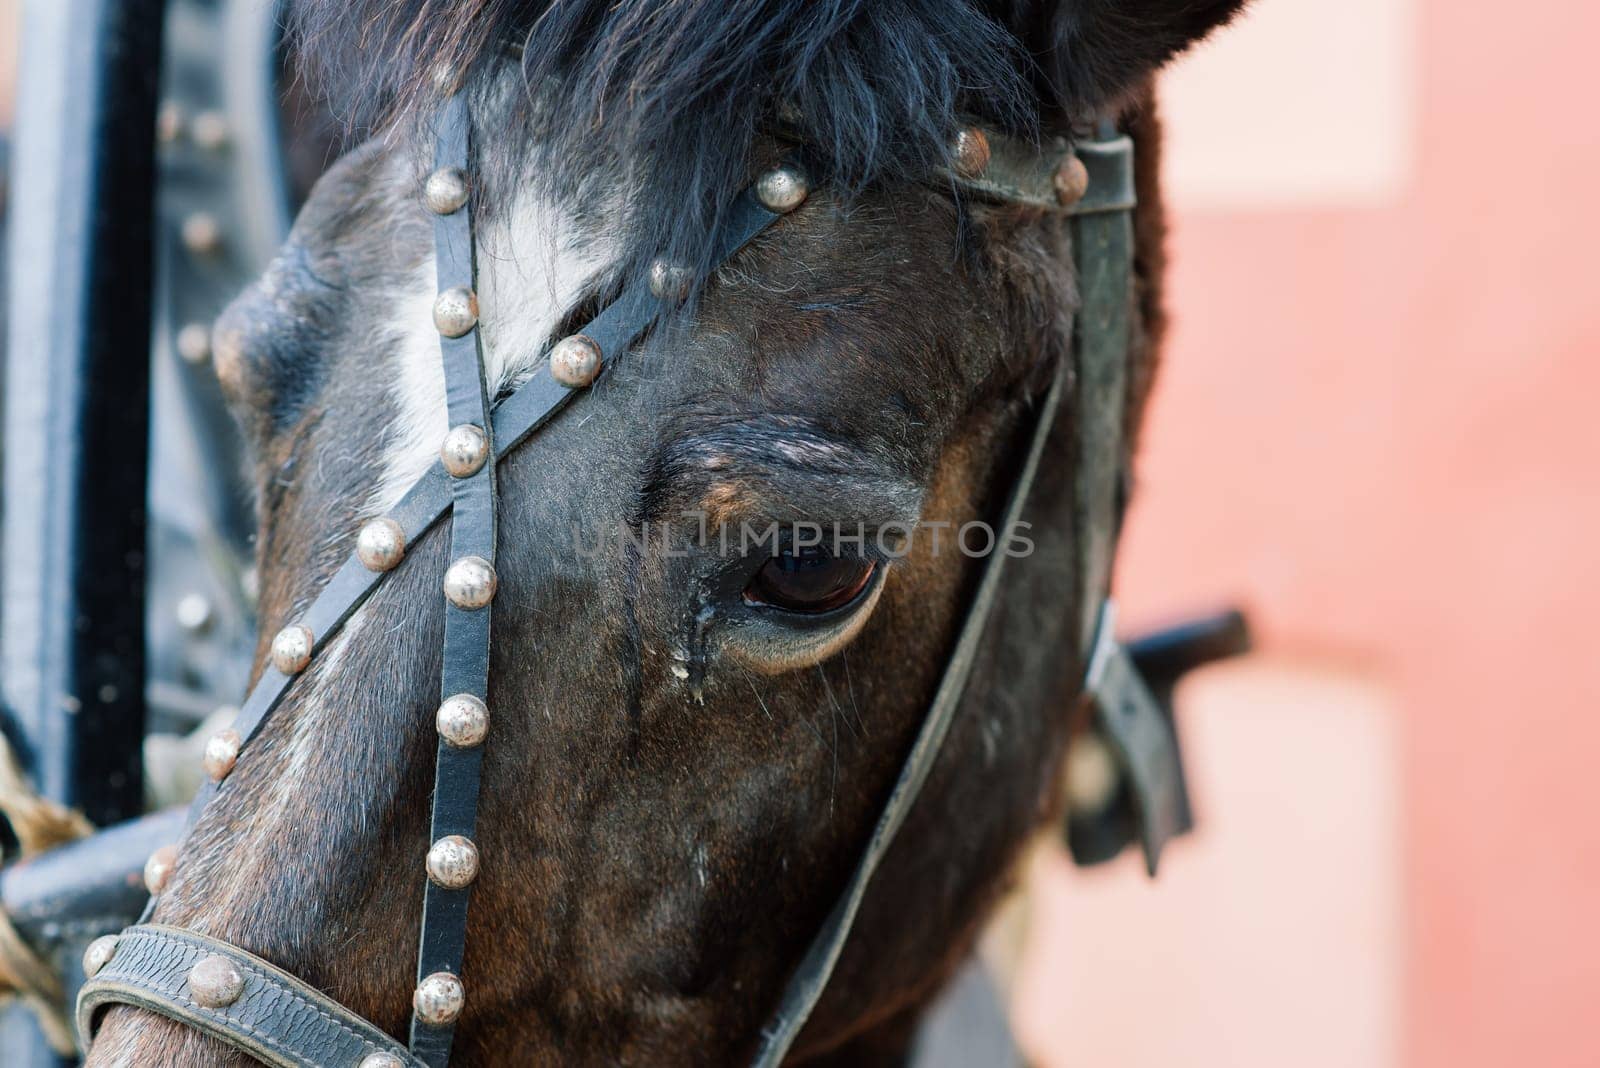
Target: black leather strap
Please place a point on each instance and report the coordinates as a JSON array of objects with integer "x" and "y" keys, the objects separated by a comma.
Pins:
[
  {"x": 1126, "y": 714},
  {"x": 517, "y": 417},
  {"x": 515, "y": 420},
  {"x": 808, "y": 981},
  {"x": 466, "y": 631},
  {"x": 276, "y": 1018},
  {"x": 145, "y": 974},
  {"x": 1099, "y": 374},
  {"x": 1021, "y": 172}
]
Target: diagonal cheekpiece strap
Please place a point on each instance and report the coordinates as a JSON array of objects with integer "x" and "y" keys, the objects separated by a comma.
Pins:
[
  {"x": 234, "y": 996},
  {"x": 269, "y": 1014},
  {"x": 809, "y": 980},
  {"x": 143, "y": 972},
  {"x": 1097, "y": 410},
  {"x": 516, "y": 418}
]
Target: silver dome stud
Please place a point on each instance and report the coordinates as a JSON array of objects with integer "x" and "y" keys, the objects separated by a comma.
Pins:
[
  {"x": 575, "y": 361},
  {"x": 221, "y": 753},
  {"x": 158, "y": 869},
  {"x": 783, "y": 189},
  {"x": 470, "y": 583},
  {"x": 453, "y": 862},
  {"x": 455, "y": 311},
  {"x": 445, "y": 191},
  {"x": 381, "y": 1060},
  {"x": 98, "y": 955},
  {"x": 438, "y": 999},
  {"x": 381, "y": 545},
  {"x": 201, "y": 233},
  {"x": 1071, "y": 181},
  {"x": 193, "y": 343},
  {"x": 969, "y": 152},
  {"x": 291, "y": 648},
  {"x": 463, "y": 721},
  {"x": 171, "y": 121},
  {"x": 464, "y": 451},
  {"x": 670, "y": 281},
  {"x": 194, "y": 613},
  {"x": 210, "y": 131},
  {"x": 216, "y": 982}
]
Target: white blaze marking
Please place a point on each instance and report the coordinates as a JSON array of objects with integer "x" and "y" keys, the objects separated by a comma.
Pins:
[{"x": 533, "y": 265}]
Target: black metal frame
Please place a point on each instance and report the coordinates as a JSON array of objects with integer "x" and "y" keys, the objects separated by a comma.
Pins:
[{"x": 76, "y": 421}]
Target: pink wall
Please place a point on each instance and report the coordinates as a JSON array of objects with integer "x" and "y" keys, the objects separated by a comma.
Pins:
[{"x": 1381, "y": 427}]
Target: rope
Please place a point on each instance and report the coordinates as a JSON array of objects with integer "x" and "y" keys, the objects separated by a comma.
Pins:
[{"x": 39, "y": 824}]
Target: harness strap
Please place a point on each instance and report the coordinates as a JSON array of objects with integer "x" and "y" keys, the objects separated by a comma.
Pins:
[
  {"x": 465, "y": 672},
  {"x": 515, "y": 419},
  {"x": 1139, "y": 732},
  {"x": 281, "y": 1020},
  {"x": 1103, "y": 247},
  {"x": 808, "y": 982},
  {"x": 1021, "y": 172},
  {"x": 271, "y": 1015}
]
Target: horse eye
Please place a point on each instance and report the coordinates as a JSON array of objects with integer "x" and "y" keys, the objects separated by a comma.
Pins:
[{"x": 810, "y": 580}]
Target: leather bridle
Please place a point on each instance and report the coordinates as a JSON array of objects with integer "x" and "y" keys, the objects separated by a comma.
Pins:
[{"x": 256, "y": 1007}]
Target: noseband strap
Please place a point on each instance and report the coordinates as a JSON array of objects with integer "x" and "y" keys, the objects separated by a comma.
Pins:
[
  {"x": 268, "y": 1013},
  {"x": 237, "y": 997}
]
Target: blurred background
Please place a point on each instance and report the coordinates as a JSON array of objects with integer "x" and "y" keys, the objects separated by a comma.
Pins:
[{"x": 1374, "y": 430}]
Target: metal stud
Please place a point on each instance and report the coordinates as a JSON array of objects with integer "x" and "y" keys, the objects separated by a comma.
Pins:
[
  {"x": 783, "y": 189},
  {"x": 381, "y": 545},
  {"x": 98, "y": 955},
  {"x": 438, "y": 999},
  {"x": 194, "y": 613},
  {"x": 464, "y": 451},
  {"x": 445, "y": 190},
  {"x": 1071, "y": 181},
  {"x": 453, "y": 862},
  {"x": 470, "y": 583},
  {"x": 170, "y": 122},
  {"x": 210, "y": 130},
  {"x": 463, "y": 721},
  {"x": 291, "y": 648},
  {"x": 455, "y": 311},
  {"x": 575, "y": 361},
  {"x": 193, "y": 343},
  {"x": 970, "y": 152},
  {"x": 381, "y": 1060},
  {"x": 158, "y": 869},
  {"x": 670, "y": 281},
  {"x": 221, "y": 753},
  {"x": 202, "y": 234},
  {"x": 216, "y": 982}
]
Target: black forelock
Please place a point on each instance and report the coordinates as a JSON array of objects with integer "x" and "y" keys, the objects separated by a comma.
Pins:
[{"x": 679, "y": 91}]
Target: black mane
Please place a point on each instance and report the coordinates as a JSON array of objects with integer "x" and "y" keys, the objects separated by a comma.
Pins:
[{"x": 679, "y": 90}]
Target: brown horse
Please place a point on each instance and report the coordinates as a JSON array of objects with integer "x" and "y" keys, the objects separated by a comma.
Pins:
[{"x": 689, "y": 750}]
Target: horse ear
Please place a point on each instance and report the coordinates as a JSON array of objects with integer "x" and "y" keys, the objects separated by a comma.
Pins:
[{"x": 1092, "y": 52}]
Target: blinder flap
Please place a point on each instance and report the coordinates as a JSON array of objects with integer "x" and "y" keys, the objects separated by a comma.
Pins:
[{"x": 1131, "y": 687}]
